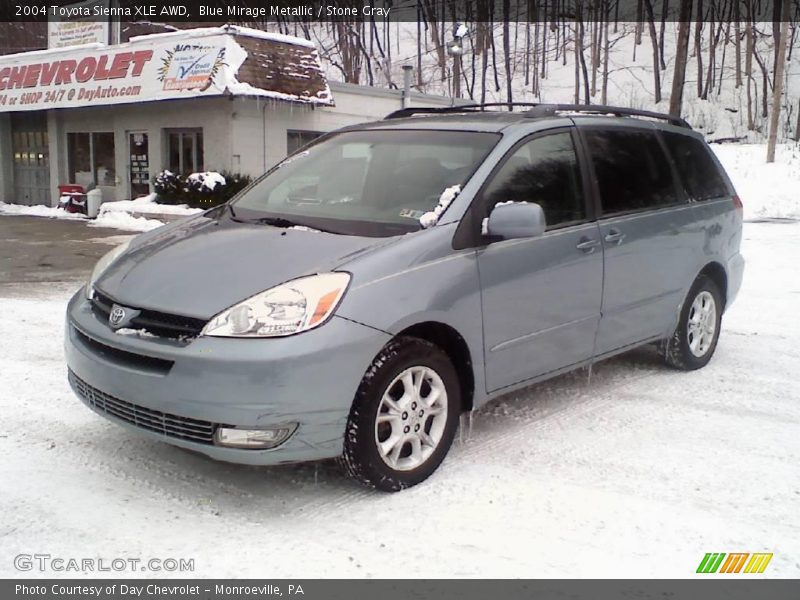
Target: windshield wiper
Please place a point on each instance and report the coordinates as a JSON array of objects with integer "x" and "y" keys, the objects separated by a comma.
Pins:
[{"x": 283, "y": 222}]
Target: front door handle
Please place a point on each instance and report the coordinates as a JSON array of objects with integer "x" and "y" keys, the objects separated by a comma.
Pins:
[
  {"x": 614, "y": 237},
  {"x": 587, "y": 245}
]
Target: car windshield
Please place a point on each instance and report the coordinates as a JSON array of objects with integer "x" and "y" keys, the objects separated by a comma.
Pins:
[{"x": 372, "y": 183}]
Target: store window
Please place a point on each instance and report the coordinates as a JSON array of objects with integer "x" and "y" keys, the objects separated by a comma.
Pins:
[
  {"x": 91, "y": 159},
  {"x": 297, "y": 139},
  {"x": 185, "y": 150}
]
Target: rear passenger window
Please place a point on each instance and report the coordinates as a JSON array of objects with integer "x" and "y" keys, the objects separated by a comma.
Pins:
[
  {"x": 545, "y": 171},
  {"x": 696, "y": 167},
  {"x": 632, "y": 170}
]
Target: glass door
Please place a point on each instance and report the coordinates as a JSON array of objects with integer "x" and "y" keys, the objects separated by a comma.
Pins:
[{"x": 139, "y": 164}]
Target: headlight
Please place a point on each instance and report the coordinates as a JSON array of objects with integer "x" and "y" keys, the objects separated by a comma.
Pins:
[
  {"x": 291, "y": 307},
  {"x": 102, "y": 265}
]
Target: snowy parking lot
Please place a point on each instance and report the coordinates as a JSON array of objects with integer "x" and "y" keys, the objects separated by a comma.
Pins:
[{"x": 637, "y": 472}]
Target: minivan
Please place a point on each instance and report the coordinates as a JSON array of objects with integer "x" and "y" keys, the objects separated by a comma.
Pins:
[{"x": 361, "y": 295}]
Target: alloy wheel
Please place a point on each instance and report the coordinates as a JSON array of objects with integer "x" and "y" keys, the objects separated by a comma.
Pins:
[
  {"x": 411, "y": 418},
  {"x": 702, "y": 324}
]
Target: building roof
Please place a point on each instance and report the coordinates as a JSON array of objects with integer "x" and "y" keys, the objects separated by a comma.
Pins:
[{"x": 288, "y": 68}]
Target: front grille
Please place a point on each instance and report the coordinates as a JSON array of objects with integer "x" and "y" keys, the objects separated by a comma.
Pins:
[
  {"x": 123, "y": 357},
  {"x": 158, "y": 323},
  {"x": 173, "y": 426}
]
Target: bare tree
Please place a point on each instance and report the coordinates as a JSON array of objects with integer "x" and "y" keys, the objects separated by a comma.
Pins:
[
  {"x": 748, "y": 64},
  {"x": 738, "y": 40},
  {"x": 507, "y": 50},
  {"x": 651, "y": 23},
  {"x": 681, "y": 57},
  {"x": 698, "y": 46},
  {"x": 777, "y": 89},
  {"x": 606, "y": 48}
]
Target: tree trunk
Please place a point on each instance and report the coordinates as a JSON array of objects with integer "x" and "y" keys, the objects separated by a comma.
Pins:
[
  {"x": 664, "y": 11},
  {"x": 681, "y": 57},
  {"x": 764, "y": 83},
  {"x": 651, "y": 23},
  {"x": 594, "y": 58},
  {"x": 545, "y": 36},
  {"x": 606, "y": 47},
  {"x": 638, "y": 31},
  {"x": 713, "y": 42},
  {"x": 582, "y": 57},
  {"x": 698, "y": 47},
  {"x": 526, "y": 63},
  {"x": 738, "y": 35},
  {"x": 777, "y": 87},
  {"x": 797, "y": 127},
  {"x": 535, "y": 70},
  {"x": 748, "y": 69},
  {"x": 507, "y": 50},
  {"x": 724, "y": 54},
  {"x": 577, "y": 96}
]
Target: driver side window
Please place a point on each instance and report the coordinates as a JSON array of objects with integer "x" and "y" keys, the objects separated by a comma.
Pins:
[{"x": 545, "y": 171}]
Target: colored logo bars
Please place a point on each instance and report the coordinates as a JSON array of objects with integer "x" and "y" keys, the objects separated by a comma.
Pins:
[{"x": 716, "y": 562}]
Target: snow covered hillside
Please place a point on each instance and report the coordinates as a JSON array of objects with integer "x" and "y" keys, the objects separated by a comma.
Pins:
[
  {"x": 769, "y": 191},
  {"x": 723, "y": 114}
]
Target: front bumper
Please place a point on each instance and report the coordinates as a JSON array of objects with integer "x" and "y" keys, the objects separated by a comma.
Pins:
[{"x": 309, "y": 379}]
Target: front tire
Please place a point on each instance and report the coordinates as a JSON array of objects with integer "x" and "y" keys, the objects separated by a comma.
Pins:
[
  {"x": 404, "y": 416},
  {"x": 694, "y": 341}
]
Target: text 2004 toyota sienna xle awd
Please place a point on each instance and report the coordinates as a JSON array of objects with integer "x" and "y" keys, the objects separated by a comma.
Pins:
[{"x": 373, "y": 286}]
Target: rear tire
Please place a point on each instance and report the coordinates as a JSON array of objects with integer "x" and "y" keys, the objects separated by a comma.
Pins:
[
  {"x": 694, "y": 341},
  {"x": 404, "y": 416}
]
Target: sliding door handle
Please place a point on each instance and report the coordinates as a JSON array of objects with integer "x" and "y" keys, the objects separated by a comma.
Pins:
[
  {"x": 614, "y": 237},
  {"x": 587, "y": 245}
]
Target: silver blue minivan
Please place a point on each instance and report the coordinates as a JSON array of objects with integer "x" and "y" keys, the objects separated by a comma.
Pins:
[{"x": 360, "y": 296}]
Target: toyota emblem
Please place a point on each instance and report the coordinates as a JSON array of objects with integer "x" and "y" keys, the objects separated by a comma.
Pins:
[{"x": 117, "y": 316}]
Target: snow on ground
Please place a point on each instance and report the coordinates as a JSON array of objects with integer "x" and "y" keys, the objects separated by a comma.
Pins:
[
  {"x": 124, "y": 220},
  {"x": 147, "y": 205},
  {"x": 118, "y": 215},
  {"x": 639, "y": 472},
  {"x": 767, "y": 190},
  {"x": 39, "y": 210}
]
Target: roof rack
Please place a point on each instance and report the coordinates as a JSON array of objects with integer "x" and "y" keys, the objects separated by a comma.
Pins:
[
  {"x": 432, "y": 110},
  {"x": 536, "y": 110},
  {"x": 549, "y": 110}
]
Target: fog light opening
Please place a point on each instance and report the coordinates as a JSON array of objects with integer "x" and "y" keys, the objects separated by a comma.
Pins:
[{"x": 253, "y": 439}]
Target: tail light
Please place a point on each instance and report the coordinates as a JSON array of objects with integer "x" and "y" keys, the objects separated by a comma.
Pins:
[{"x": 737, "y": 203}]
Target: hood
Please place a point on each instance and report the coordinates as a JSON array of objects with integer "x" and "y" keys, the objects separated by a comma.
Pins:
[{"x": 206, "y": 265}]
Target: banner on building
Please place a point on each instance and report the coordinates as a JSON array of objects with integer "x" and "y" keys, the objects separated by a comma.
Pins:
[{"x": 161, "y": 68}]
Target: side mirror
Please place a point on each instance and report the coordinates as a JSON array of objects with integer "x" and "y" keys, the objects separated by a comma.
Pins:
[{"x": 516, "y": 220}]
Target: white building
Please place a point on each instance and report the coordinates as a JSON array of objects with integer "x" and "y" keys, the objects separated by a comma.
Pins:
[{"x": 224, "y": 99}]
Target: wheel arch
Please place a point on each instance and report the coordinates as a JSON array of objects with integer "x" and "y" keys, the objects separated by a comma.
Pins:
[
  {"x": 452, "y": 343},
  {"x": 716, "y": 272}
]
